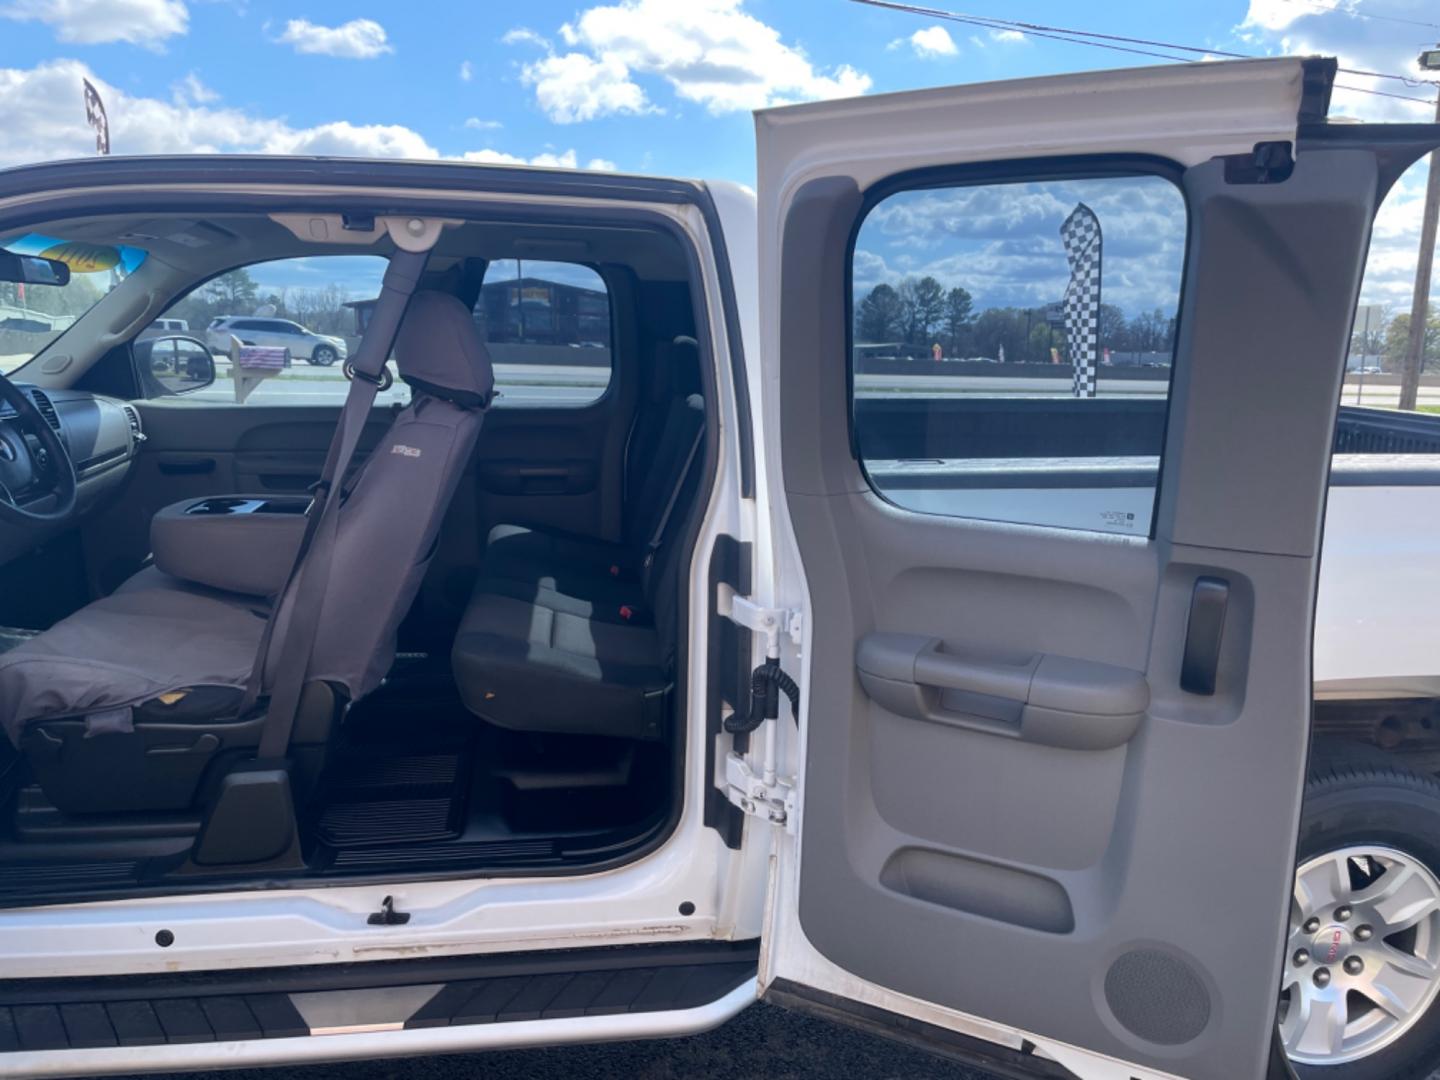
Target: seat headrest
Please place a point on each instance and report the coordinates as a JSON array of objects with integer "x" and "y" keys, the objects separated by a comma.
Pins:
[{"x": 438, "y": 350}]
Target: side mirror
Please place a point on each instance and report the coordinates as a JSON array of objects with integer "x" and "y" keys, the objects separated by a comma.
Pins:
[
  {"x": 32, "y": 269},
  {"x": 174, "y": 364}
]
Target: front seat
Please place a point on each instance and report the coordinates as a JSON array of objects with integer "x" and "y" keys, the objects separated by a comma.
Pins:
[{"x": 128, "y": 704}]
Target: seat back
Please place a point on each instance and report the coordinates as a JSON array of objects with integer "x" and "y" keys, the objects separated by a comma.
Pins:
[{"x": 390, "y": 518}]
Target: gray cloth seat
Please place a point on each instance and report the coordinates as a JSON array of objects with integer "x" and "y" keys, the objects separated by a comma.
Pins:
[
  {"x": 115, "y": 665},
  {"x": 573, "y": 636},
  {"x": 528, "y": 667}
]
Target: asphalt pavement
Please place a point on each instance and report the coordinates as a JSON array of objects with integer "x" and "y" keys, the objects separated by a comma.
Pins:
[{"x": 762, "y": 1043}]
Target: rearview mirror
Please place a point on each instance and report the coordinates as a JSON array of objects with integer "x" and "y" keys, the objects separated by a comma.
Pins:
[
  {"x": 174, "y": 364},
  {"x": 32, "y": 270}
]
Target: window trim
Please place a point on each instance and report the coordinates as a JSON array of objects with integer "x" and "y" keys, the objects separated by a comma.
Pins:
[{"x": 1016, "y": 171}]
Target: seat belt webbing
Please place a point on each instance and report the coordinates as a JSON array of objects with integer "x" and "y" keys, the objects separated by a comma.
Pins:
[
  {"x": 658, "y": 536},
  {"x": 305, "y": 585}
]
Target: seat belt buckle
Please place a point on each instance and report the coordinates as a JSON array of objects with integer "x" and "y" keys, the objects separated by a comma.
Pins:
[{"x": 627, "y": 612}]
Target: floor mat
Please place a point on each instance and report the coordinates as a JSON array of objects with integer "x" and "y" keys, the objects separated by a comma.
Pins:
[{"x": 382, "y": 796}]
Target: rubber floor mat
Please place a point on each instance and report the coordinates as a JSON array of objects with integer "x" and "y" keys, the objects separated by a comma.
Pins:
[
  {"x": 356, "y": 824},
  {"x": 382, "y": 797}
]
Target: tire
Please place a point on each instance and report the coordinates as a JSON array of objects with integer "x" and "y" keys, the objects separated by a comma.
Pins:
[
  {"x": 323, "y": 356},
  {"x": 1358, "y": 800}
]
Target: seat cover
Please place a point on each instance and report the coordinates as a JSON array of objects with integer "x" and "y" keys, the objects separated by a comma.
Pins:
[
  {"x": 126, "y": 649},
  {"x": 157, "y": 635}
]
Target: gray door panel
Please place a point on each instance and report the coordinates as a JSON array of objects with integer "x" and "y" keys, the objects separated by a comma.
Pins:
[{"x": 1005, "y": 844}]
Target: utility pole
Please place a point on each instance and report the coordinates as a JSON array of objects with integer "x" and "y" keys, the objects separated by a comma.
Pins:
[{"x": 1420, "y": 304}]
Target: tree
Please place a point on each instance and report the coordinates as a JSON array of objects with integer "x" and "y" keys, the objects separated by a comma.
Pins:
[
  {"x": 922, "y": 304},
  {"x": 235, "y": 291},
  {"x": 1397, "y": 336},
  {"x": 878, "y": 317},
  {"x": 1113, "y": 329},
  {"x": 1152, "y": 331},
  {"x": 959, "y": 318},
  {"x": 1001, "y": 329}
]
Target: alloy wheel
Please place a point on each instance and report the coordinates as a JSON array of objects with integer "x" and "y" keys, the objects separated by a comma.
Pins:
[{"x": 1362, "y": 960}]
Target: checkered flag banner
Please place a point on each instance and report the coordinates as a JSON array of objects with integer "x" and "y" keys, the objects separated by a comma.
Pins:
[
  {"x": 1081, "y": 236},
  {"x": 96, "y": 118}
]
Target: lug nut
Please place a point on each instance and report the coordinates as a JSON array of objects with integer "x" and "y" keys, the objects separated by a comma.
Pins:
[
  {"x": 1354, "y": 965},
  {"x": 1322, "y": 977},
  {"x": 1312, "y": 924},
  {"x": 1301, "y": 957},
  {"x": 1363, "y": 933},
  {"x": 1342, "y": 913}
]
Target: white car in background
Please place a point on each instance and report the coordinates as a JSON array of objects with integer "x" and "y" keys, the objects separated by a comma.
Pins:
[{"x": 321, "y": 350}]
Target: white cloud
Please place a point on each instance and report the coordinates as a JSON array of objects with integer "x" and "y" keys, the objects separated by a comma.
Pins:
[
  {"x": 709, "y": 51},
  {"x": 358, "y": 39},
  {"x": 576, "y": 87},
  {"x": 46, "y": 121},
  {"x": 1300, "y": 29},
  {"x": 474, "y": 123},
  {"x": 97, "y": 22},
  {"x": 191, "y": 91},
  {"x": 933, "y": 41},
  {"x": 523, "y": 35},
  {"x": 467, "y": 71},
  {"x": 1007, "y": 37},
  {"x": 566, "y": 160}
]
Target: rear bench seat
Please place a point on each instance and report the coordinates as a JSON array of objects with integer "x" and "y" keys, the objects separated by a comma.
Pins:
[{"x": 573, "y": 635}]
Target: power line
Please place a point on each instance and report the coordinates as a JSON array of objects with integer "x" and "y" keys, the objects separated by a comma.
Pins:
[{"x": 1121, "y": 43}]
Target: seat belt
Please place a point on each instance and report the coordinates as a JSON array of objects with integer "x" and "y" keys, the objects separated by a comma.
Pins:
[
  {"x": 306, "y": 582},
  {"x": 658, "y": 536}
]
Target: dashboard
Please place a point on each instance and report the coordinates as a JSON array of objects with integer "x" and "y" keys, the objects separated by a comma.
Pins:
[{"x": 102, "y": 436}]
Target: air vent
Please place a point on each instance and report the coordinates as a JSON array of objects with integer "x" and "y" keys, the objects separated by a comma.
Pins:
[
  {"x": 47, "y": 409},
  {"x": 132, "y": 414}
]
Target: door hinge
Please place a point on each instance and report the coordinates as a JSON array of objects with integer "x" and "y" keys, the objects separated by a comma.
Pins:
[
  {"x": 770, "y": 800},
  {"x": 771, "y": 622}
]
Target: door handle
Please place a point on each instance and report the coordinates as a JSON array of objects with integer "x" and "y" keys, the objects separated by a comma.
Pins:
[
  {"x": 1200, "y": 663},
  {"x": 190, "y": 467},
  {"x": 1047, "y": 699}
]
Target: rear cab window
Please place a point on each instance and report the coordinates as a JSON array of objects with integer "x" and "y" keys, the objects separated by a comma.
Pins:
[
  {"x": 1011, "y": 346},
  {"x": 547, "y": 327}
]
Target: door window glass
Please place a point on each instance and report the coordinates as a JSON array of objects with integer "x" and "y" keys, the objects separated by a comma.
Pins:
[
  {"x": 1011, "y": 348},
  {"x": 310, "y": 306}
]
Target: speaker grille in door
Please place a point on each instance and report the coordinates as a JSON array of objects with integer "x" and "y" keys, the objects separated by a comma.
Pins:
[{"x": 1157, "y": 996}]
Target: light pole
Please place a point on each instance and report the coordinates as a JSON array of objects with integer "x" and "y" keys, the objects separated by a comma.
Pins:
[{"x": 1419, "y": 305}]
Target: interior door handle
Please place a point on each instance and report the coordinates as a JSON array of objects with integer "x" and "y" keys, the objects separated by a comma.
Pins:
[
  {"x": 1047, "y": 699},
  {"x": 1200, "y": 664},
  {"x": 188, "y": 467}
]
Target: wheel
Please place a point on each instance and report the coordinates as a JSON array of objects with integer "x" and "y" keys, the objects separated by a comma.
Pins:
[
  {"x": 1362, "y": 963},
  {"x": 323, "y": 356}
]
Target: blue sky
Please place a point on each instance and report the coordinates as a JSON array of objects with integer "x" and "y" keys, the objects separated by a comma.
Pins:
[{"x": 655, "y": 86}]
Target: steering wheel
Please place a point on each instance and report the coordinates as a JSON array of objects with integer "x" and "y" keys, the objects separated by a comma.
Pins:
[{"x": 40, "y": 471}]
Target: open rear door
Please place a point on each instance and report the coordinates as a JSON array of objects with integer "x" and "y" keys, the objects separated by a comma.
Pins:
[{"x": 1056, "y": 662}]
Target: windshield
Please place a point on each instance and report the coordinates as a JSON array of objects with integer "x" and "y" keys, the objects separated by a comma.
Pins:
[{"x": 33, "y": 316}]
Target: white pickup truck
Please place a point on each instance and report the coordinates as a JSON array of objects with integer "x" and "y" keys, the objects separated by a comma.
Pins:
[{"x": 975, "y": 704}]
